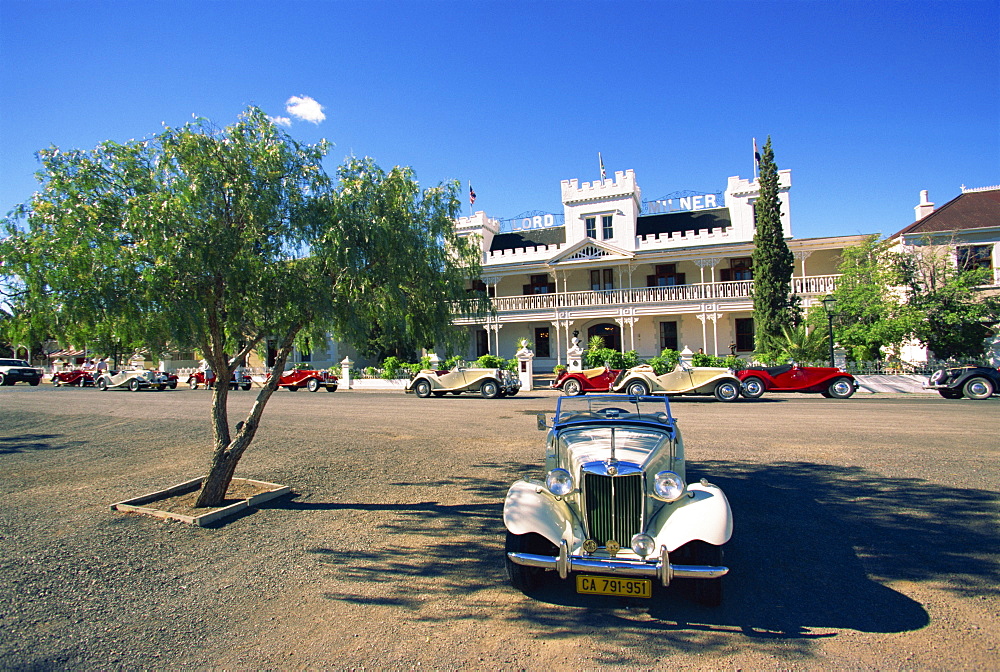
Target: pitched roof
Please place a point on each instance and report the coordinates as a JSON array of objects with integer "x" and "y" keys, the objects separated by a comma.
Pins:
[{"x": 969, "y": 210}]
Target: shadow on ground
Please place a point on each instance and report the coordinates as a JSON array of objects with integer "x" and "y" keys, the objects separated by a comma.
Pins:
[
  {"x": 26, "y": 442},
  {"x": 814, "y": 549}
]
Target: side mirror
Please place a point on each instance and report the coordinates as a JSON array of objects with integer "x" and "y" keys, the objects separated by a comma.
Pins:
[{"x": 541, "y": 422}]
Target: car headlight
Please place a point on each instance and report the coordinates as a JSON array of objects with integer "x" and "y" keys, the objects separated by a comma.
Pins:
[
  {"x": 643, "y": 544},
  {"x": 668, "y": 486},
  {"x": 559, "y": 482}
]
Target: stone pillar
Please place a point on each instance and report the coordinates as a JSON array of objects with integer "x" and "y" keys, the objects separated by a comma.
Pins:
[
  {"x": 687, "y": 356},
  {"x": 839, "y": 357},
  {"x": 345, "y": 373},
  {"x": 574, "y": 355},
  {"x": 434, "y": 360},
  {"x": 525, "y": 367}
]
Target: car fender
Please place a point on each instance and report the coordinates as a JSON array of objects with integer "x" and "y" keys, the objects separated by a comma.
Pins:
[
  {"x": 708, "y": 387},
  {"x": 703, "y": 513},
  {"x": 529, "y": 507}
]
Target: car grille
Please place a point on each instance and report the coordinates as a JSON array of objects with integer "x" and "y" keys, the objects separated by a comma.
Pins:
[{"x": 614, "y": 507}]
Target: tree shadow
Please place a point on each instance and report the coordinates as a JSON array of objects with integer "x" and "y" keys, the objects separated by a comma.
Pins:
[
  {"x": 814, "y": 548},
  {"x": 30, "y": 442}
]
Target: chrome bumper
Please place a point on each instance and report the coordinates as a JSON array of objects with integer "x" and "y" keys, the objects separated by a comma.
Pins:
[{"x": 660, "y": 568}]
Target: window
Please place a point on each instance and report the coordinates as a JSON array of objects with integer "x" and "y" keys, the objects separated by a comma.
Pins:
[
  {"x": 542, "y": 342},
  {"x": 480, "y": 286},
  {"x": 482, "y": 343},
  {"x": 739, "y": 269},
  {"x": 596, "y": 276},
  {"x": 666, "y": 275},
  {"x": 744, "y": 334},
  {"x": 539, "y": 285},
  {"x": 591, "y": 223},
  {"x": 668, "y": 335},
  {"x": 607, "y": 229},
  {"x": 970, "y": 257}
]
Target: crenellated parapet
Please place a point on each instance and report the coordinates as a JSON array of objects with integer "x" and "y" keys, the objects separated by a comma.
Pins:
[{"x": 623, "y": 185}]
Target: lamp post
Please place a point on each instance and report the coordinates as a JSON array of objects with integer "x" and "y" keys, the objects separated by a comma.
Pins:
[{"x": 829, "y": 305}]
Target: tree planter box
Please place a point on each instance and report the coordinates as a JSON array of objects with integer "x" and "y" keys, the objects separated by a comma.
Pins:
[{"x": 147, "y": 504}]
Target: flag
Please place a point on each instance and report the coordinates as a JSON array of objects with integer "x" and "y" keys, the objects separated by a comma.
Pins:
[
  {"x": 756, "y": 154},
  {"x": 601, "y": 159},
  {"x": 472, "y": 195}
]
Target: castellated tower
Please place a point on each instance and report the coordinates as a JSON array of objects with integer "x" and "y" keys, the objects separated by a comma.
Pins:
[
  {"x": 619, "y": 198},
  {"x": 478, "y": 225}
]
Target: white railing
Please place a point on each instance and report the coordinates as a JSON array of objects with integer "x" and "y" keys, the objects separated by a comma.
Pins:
[{"x": 741, "y": 289}]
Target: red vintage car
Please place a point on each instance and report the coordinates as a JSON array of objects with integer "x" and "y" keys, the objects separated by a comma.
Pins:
[
  {"x": 573, "y": 383},
  {"x": 239, "y": 381},
  {"x": 76, "y": 378},
  {"x": 310, "y": 379},
  {"x": 829, "y": 381}
]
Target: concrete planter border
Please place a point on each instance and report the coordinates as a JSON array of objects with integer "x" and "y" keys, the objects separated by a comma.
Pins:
[{"x": 145, "y": 504}]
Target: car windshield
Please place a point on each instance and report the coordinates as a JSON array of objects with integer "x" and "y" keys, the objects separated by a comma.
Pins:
[{"x": 613, "y": 407}]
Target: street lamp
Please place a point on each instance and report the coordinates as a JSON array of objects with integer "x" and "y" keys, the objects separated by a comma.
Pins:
[{"x": 830, "y": 305}]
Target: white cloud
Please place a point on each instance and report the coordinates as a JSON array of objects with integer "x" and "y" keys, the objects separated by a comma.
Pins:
[
  {"x": 281, "y": 121},
  {"x": 305, "y": 108}
]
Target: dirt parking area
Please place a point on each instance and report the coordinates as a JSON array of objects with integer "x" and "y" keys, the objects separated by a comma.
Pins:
[{"x": 866, "y": 537}]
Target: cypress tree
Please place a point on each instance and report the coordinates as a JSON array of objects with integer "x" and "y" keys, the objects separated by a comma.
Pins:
[{"x": 773, "y": 306}]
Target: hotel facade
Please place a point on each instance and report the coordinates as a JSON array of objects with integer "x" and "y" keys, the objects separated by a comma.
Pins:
[{"x": 669, "y": 272}]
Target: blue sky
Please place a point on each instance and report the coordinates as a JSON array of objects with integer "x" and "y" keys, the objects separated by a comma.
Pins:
[{"x": 866, "y": 102}]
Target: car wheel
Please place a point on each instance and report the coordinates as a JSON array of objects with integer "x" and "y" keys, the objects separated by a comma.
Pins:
[
  {"x": 840, "y": 388},
  {"x": 246, "y": 386},
  {"x": 3, "y": 379},
  {"x": 571, "y": 387},
  {"x": 422, "y": 389},
  {"x": 173, "y": 385},
  {"x": 490, "y": 390},
  {"x": 193, "y": 383},
  {"x": 55, "y": 382},
  {"x": 439, "y": 394},
  {"x": 133, "y": 385},
  {"x": 160, "y": 388},
  {"x": 329, "y": 388},
  {"x": 312, "y": 385},
  {"x": 950, "y": 394},
  {"x": 753, "y": 388},
  {"x": 457, "y": 393},
  {"x": 978, "y": 388},
  {"x": 83, "y": 381},
  {"x": 292, "y": 388},
  {"x": 637, "y": 388},
  {"x": 525, "y": 578},
  {"x": 511, "y": 393},
  {"x": 102, "y": 385},
  {"x": 727, "y": 391}
]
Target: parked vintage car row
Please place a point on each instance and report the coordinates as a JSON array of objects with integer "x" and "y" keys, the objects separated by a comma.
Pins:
[
  {"x": 139, "y": 379},
  {"x": 722, "y": 383}
]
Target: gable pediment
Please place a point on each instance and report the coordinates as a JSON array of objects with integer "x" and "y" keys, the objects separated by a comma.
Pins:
[{"x": 589, "y": 250}]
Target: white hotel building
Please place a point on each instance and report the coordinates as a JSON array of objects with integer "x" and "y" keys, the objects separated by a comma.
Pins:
[{"x": 670, "y": 272}]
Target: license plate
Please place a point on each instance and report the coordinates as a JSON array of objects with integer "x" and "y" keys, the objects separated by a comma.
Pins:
[{"x": 609, "y": 585}]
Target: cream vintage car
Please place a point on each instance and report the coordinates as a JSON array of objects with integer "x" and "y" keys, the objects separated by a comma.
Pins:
[
  {"x": 719, "y": 382},
  {"x": 615, "y": 508},
  {"x": 135, "y": 380},
  {"x": 490, "y": 383}
]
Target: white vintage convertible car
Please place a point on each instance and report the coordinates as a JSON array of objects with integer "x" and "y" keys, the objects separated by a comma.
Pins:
[
  {"x": 719, "y": 382},
  {"x": 136, "y": 380},
  {"x": 615, "y": 510},
  {"x": 490, "y": 383}
]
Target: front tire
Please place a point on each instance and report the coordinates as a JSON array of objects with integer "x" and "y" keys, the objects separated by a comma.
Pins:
[
  {"x": 193, "y": 383},
  {"x": 572, "y": 387},
  {"x": 978, "y": 388},
  {"x": 102, "y": 385},
  {"x": 3, "y": 379},
  {"x": 133, "y": 385},
  {"x": 950, "y": 394},
  {"x": 246, "y": 387},
  {"x": 312, "y": 385},
  {"x": 329, "y": 388},
  {"x": 840, "y": 388},
  {"x": 293, "y": 388},
  {"x": 727, "y": 391},
  {"x": 753, "y": 388},
  {"x": 490, "y": 390},
  {"x": 55, "y": 382},
  {"x": 525, "y": 578},
  {"x": 637, "y": 388},
  {"x": 708, "y": 592},
  {"x": 422, "y": 389}
]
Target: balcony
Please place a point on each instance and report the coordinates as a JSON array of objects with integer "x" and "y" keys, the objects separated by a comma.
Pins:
[{"x": 709, "y": 291}]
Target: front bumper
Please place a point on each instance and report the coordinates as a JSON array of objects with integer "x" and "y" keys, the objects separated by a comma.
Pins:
[{"x": 659, "y": 568}]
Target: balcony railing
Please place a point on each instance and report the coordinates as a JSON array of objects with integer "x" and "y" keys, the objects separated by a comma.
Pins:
[{"x": 711, "y": 291}]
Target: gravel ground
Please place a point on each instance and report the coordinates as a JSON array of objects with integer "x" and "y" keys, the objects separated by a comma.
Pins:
[{"x": 866, "y": 537}]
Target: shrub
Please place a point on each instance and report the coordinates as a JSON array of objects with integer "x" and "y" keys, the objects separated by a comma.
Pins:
[
  {"x": 665, "y": 361},
  {"x": 558, "y": 369},
  {"x": 391, "y": 368}
]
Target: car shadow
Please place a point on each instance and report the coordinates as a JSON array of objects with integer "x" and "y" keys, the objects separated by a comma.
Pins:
[{"x": 815, "y": 547}]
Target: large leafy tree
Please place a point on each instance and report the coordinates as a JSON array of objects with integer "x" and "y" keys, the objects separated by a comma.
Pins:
[
  {"x": 220, "y": 238},
  {"x": 774, "y": 309},
  {"x": 872, "y": 311}
]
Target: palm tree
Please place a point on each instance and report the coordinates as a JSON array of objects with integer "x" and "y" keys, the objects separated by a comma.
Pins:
[{"x": 801, "y": 344}]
